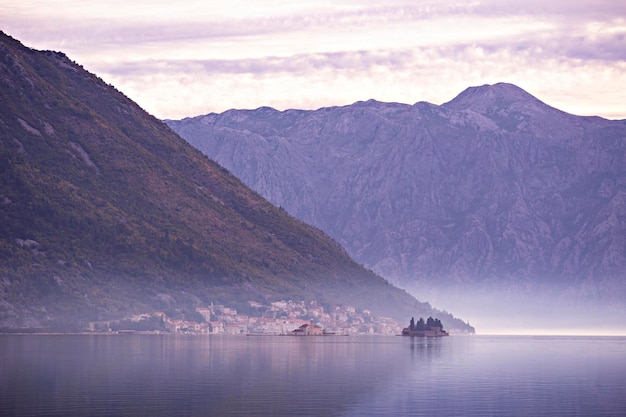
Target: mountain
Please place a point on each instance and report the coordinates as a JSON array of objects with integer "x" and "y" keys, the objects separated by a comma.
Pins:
[
  {"x": 106, "y": 212},
  {"x": 493, "y": 201}
]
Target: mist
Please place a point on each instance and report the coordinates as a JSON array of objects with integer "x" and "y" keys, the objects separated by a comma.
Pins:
[{"x": 551, "y": 310}]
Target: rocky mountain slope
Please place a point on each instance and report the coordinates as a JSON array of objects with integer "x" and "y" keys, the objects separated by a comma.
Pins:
[
  {"x": 104, "y": 212},
  {"x": 492, "y": 193}
]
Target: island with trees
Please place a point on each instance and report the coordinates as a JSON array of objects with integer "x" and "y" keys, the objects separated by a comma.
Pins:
[{"x": 429, "y": 328}]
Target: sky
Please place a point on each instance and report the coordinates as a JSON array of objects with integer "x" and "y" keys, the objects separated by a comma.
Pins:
[{"x": 179, "y": 59}]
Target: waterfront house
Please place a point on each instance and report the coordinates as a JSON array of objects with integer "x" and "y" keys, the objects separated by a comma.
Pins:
[{"x": 309, "y": 329}]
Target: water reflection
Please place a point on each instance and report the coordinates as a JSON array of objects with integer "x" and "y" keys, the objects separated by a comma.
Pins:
[
  {"x": 478, "y": 376},
  {"x": 156, "y": 375},
  {"x": 189, "y": 375}
]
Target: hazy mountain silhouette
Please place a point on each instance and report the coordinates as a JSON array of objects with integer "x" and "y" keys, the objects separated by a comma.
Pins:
[
  {"x": 107, "y": 212},
  {"x": 492, "y": 193}
]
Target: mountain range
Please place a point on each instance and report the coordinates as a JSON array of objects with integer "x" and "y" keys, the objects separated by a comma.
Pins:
[
  {"x": 494, "y": 201},
  {"x": 106, "y": 212}
]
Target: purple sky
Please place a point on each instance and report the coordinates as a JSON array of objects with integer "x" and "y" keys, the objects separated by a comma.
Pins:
[{"x": 179, "y": 59}]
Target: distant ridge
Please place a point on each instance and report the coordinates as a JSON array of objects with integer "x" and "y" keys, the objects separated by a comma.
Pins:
[
  {"x": 106, "y": 212},
  {"x": 493, "y": 196}
]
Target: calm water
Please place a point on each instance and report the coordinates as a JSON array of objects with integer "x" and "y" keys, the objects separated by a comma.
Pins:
[{"x": 157, "y": 375}]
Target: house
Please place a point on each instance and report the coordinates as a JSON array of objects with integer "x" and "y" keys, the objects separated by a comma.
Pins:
[{"x": 309, "y": 329}]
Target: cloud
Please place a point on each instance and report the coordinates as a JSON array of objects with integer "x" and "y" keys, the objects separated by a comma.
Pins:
[
  {"x": 298, "y": 65},
  {"x": 179, "y": 59}
]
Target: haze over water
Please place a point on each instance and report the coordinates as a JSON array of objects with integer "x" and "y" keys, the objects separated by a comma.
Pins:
[{"x": 166, "y": 375}]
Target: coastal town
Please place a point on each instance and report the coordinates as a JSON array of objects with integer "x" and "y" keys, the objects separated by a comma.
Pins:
[{"x": 277, "y": 318}]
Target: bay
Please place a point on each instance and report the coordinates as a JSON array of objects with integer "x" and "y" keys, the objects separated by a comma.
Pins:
[{"x": 186, "y": 375}]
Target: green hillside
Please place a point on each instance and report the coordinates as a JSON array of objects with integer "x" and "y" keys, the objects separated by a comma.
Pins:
[{"x": 104, "y": 211}]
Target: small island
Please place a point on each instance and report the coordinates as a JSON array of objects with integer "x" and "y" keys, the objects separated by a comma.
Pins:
[{"x": 430, "y": 328}]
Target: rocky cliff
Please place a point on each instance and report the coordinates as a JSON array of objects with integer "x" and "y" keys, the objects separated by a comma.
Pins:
[{"x": 492, "y": 193}]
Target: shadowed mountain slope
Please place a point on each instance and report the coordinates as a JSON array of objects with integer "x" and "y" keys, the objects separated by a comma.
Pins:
[
  {"x": 493, "y": 193},
  {"x": 105, "y": 211}
]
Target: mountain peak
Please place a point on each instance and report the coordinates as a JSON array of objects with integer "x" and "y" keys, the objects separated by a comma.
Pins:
[{"x": 486, "y": 97}]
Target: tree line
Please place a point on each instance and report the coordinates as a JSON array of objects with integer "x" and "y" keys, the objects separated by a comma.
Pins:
[{"x": 425, "y": 325}]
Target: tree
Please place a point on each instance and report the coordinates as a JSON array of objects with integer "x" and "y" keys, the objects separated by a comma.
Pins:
[
  {"x": 438, "y": 324},
  {"x": 430, "y": 323},
  {"x": 420, "y": 325}
]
